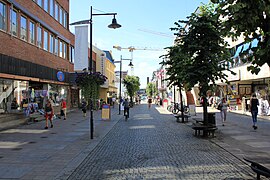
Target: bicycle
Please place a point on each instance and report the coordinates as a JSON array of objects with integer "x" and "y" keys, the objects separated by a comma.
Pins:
[
  {"x": 126, "y": 114},
  {"x": 177, "y": 108}
]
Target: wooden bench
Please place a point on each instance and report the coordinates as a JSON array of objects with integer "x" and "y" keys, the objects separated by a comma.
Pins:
[
  {"x": 178, "y": 116},
  {"x": 259, "y": 169},
  {"x": 207, "y": 129}
]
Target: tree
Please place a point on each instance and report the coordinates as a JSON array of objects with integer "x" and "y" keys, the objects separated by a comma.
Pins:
[
  {"x": 132, "y": 84},
  {"x": 90, "y": 84},
  {"x": 151, "y": 89},
  {"x": 251, "y": 19},
  {"x": 196, "y": 57}
]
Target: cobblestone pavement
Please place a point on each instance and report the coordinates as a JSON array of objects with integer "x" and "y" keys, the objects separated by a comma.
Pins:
[{"x": 152, "y": 145}]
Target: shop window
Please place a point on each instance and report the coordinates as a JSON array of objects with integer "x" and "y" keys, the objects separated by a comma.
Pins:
[
  {"x": 23, "y": 30},
  {"x": 45, "y": 41},
  {"x": 32, "y": 30},
  {"x": 3, "y": 17},
  {"x": 39, "y": 37},
  {"x": 13, "y": 23}
]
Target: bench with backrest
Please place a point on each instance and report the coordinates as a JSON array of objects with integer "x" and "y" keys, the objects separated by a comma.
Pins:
[{"x": 259, "y": 169}]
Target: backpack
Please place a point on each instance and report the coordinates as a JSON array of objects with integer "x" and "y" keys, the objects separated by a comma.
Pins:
[{"x": 220, "y": 106}]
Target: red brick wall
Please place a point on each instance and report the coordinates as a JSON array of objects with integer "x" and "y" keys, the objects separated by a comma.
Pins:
[{"x": 15, "y": 47}]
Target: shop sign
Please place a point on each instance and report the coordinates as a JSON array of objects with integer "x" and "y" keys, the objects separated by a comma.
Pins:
[{"x": 60, "y": 76}]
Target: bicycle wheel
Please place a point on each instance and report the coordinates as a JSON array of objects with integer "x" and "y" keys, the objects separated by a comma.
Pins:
[
  {"x": 174, "y": 110},
  {"x": 186, "y": 109}
]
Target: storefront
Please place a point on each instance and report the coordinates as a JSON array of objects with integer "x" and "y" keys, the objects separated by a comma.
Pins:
[{"x": 28, "y": 96}]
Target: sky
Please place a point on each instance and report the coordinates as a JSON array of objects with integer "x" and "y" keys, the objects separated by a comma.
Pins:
[{"x": 145, "y": 25}]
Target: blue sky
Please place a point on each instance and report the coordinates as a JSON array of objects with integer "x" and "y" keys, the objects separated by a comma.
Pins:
[{"x": 143, "y": 24}]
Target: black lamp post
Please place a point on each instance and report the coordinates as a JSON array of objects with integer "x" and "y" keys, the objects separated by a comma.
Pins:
[
  {"x": 120, "y": 88},
  {"x": 114, "y": 25}
]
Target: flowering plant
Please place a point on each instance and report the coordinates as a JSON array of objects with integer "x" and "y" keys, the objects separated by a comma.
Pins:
[{"x": 90, "y": 83}]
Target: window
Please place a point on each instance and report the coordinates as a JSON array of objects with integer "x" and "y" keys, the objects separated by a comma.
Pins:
[
  {"x": 23, "y": 31},
  {"x": 60, "y": 15},
  {"x": 65, "y": 19},
  {"x": 52, "y": 7},
  {"x": 64, "y": 50},
  {"x": 39, "y": 37},
  {"x": 56, "y": 7},
  {"x": 56, "y": 47},
  {"x": 39, "y": 2},
  {"x": 60, "y": 48},
  {"x": 52, "y": 43},
  {"x": 45, "y": 41},
  {"x": 13, "y": 22},
  {"x": 46, "y": 5},
  {"x": 3, "y": 16},
  {"x": 71, "y": 54},
  {"x": 32, "y": 30}
]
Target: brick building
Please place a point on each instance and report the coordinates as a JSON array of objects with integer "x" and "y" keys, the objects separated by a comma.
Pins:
[{"x": 36, "y": 53}]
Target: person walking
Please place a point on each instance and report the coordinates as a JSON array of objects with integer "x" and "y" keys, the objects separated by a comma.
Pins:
[
  {"x": 126, "y": 107},
  {"x": 48, "y": 113},
  {"x": 254, "y": 103},
  {"x": 149, "y": 102},
  {"x": 84, "y": 105},
  {"x": 223, "y": 107},
  {"x": 63, "y": 109},
  {"x": 113, "y": 101}
]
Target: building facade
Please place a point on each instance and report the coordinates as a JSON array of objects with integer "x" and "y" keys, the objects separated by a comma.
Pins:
[{"x": 36, "y": 52}]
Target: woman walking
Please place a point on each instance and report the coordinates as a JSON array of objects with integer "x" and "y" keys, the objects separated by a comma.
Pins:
[
  {"x": 63, "y": 108},
  {"x": 223, "y": 107},
  {"x": 48, "y": 113},
  {"x": 254, "y": 103}
]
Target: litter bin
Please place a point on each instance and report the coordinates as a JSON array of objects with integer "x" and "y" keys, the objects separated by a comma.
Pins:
[{"x": 212, "y": 118}]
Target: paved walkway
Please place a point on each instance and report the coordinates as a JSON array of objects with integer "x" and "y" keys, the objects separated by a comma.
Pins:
[
  {"x": 151, "y": 145},
  {"x": 31, "y": 152}
]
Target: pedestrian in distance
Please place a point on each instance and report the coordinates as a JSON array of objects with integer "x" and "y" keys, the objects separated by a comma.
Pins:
[
  {"x": 254, "y": 103},
  {"x": 223, "y": 107},
  {"x": 149, "y": 102},
  {"x": 126, "y": 105},
  {"x": 113, "y": 101},
  {"x": 48, "y": 114},
  {"x": 63, "y": 112},
  {"x": 84, "y": 105}
]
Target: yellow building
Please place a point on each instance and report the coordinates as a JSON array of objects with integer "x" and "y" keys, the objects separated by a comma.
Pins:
[{"x": 105, "y": 65}]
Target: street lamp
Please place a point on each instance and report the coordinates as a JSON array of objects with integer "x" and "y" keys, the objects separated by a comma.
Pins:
[
  {"x": 120, "y": 89},
  {"x": 114, "y": 25}
]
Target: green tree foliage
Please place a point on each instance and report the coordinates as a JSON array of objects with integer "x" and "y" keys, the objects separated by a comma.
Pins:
[
  {"x": 196, "y": 57},
  {"x": 250, "y": 18},
  {"x": 90, "y": 84},
  {"x": 132, "y": 84},
  {"x": 151, "y": 89}
]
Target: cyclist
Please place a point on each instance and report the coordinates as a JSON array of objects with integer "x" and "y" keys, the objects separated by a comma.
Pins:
[{"x": 126, "y": 107}]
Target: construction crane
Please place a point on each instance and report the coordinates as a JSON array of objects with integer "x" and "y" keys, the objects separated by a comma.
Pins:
[{"x": 131, "y": 49}]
